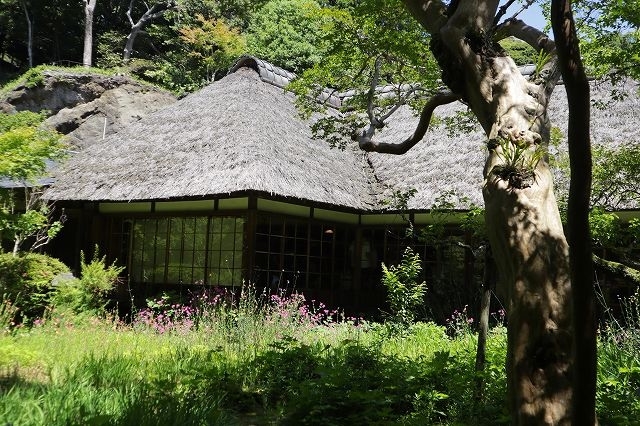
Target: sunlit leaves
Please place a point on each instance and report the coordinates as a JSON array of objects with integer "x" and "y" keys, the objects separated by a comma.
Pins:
[
  {"x": 616, "y": 174},
  {"x": 212, "y": 42},
  {"x": 610, "y": 36},
  {"x": 25, "y": 147},
  {"x": 288, "y": 33},
  {"x": 378, "y": 58}
]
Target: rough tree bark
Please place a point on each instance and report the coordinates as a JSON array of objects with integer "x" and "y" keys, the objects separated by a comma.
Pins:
[
  {"x": 89, "y": 7},
  {"x": 153, "y": 12},
  {"x": 585, "y": 361},
  {"x": 522, "y": 217}
]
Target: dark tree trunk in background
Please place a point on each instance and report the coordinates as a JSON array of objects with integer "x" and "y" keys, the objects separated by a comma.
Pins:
[
  {"x": 29, "y": 34},
  {"x": 584, "y": 306},
  {"x": 488, "y": 281},
  {"x": 153, "y": 12},
  {"x": 89, "y": 7}
]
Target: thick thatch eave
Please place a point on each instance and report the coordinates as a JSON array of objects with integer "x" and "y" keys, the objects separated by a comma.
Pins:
[{"x": 238, "y": 134}]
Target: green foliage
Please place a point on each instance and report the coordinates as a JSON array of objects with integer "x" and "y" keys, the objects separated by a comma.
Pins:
[
  {"x": 201, "y": 50},
  {"x": 26, "y": 149},
  {"x": 404, "y": 293},
  {"x": 400, "y": 199},
  {"x": 26, "y": 282},
  {"x": 473, "y": 223},
  {"x": 30, "y": 219},
  {"x": 88, "y": 295},
  {"x": 288, "y": 33},
  {"x": 610, "y": 35},
  {"x": 21, "y": 119},
  {"x": 336, "y": 374},
  {"x": 373, "y": 40},
  {"x": 605, "y": 227},
  {"x": 520, "y": 52},
  {"x": 33, "y": 78},
  {"x": 542, "y": 59},
  {"x": 462, "y": 122},
  {"x": 109, "y": 47},
  {"x": 616, "y": 173},
  {"x": 25, "y": 146},
  {"x": 619, "y": 366},
  {"x": 443, "y": 213},
  {"x": 178, "y": 387}
]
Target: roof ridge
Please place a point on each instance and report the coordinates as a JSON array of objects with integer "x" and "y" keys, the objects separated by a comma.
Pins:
[
  {"x": 280, "y": 77},
  {"x": 268, "y": 72}
]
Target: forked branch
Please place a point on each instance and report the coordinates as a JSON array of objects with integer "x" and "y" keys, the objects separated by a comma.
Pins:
[{"x": 366, "y": 142}]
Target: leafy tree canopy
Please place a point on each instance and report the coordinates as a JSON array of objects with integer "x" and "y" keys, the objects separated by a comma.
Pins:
[
  {"x": 376, "y": 47},
  {"x": 25, "y": 147},
  {"x": 288, "y": 33},
  {"x": 610, "y": 33}
]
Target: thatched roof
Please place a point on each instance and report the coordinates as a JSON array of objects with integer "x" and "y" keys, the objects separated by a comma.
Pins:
[
  {"x": 238, "y": 134},
  {"x": 441, "y": 162},
  {"x": 243, "y": 133}
]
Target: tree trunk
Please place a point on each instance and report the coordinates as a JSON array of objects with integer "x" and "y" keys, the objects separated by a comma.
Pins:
[
  {"x": 153, "y": 12},
  {"x": 29, "y": 35},
  {"x": 483, "y": 325},
  {"x": 585, "y": 362},
  {"x": 89, "y": 7},
  {"x": 522, "y": 217},
  {"x": 16, "y": 246},
  {"x": 131, "y": 38}
]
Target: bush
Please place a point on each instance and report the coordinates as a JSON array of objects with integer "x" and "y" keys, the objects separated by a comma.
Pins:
[
  {"x": 404, "y": 293},
  {"x": 89, "y": 293},
  {"x": 26, "y": 282}
]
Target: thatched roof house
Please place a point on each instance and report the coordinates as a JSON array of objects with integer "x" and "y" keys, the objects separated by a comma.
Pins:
[{"x": 228, "y": 184}]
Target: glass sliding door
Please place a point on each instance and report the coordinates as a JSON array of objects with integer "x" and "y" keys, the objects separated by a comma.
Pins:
[{"x": 187, "y": 250}]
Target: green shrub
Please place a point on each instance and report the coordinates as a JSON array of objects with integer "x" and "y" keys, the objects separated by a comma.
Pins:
[
  {"x": 26, "y": 281},
  {"x": 89, "y": 293},
  {"x": 8, "y": 313},
  {"x": 404, "y": 293}
]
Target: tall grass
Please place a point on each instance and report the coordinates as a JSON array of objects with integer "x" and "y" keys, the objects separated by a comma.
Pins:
[{"x": 244, "y": 358}]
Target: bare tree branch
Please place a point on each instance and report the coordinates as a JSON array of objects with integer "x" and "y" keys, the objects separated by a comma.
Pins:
[
  {"x": 365, "y": 139},
  {"x": 129, "y": 13},
  {"x": 153, "y": 12},
  {"x": 502, "y": 11},
  {"x": 375, "y": 78}
]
